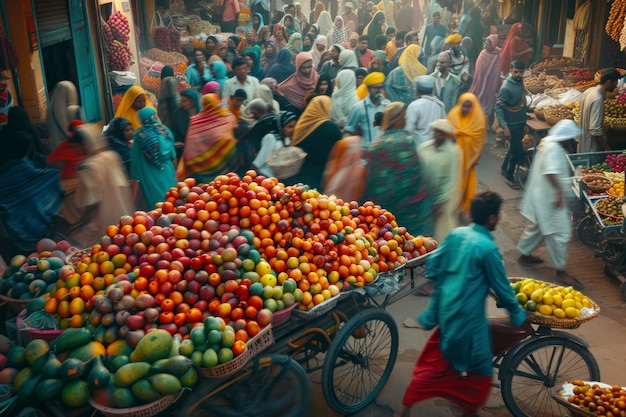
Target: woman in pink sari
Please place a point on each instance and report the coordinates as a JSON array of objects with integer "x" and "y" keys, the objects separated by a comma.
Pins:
[
  {"x": 210, "y": 145},
  {"x": 300, "y": 82},
  {"x": 487, "y": 79}
]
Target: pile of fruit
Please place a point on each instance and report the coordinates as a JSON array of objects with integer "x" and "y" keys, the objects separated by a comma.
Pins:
[
  {"x": 617, "y": 189},
  {"x": 116, "y": 34},
  {"x": 167, "y": 39},
  {"x": 599, "y": 400},
  {"x": 611, "y": 207},
  {"x": 614, "y": 113},
  {"x": 560, "y": 302}
]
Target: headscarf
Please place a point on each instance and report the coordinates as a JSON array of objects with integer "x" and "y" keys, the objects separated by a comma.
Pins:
[
  {"x": 344, "y": 96},
  {"x": 210, "y": 88},
  {"x": 329, "y": 81},
  {"x": 353, "y": 35},
  {"x": 115, "y": 135},
  {"x": 316, "y": 113},
  {"x": 250, "y": 26},
  {"x": 291, "y": 45},
  {"x": 473, "y": 124},
  {"x": 277, "y": 28},
  {"x": 486, "y": 83},
  {"x": 311, "y": 38},
  {"x": 264, "y": 94},
  {"x": 436, "y": 43},
  {"x": 168, "y": 99},
  {"x": 220, "y": 72},
  {"x": 296, "y": 86},
  {"x": 125, "y": 109},
  {"x": 268, "y": 61},
  {"x": 562, "y": 131},
  {"x": 319, "y": 8},
  {"x": 289, "y": 29},
  {"x": 256, "y": 71},
  {"x": 373, "y": 29},
  {"x": 282, "y": 119},
  {"x": 393, "y": 112},
  {"x": 271, "y": 83},
  {"x": 347, "y": 59},
  {"x": 212, "y": 50},
  {"x": 63, "y": 108},
  {"x": 317, "y": 56},
  {"x": 512, "y": 48},
  {"x": 283, "y": 68},
  {"x": 192, "y": 95},
  {"x": 167, "y": 71},
  {"x": 148, "y": 134},
  {"x": 410, "y": 64},
  {"x": 338, "y": 34},
  {"x": 265, "y": 29},
  {"x": 324, "y": 22}
]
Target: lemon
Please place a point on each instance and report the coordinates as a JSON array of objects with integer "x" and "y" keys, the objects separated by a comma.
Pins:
[
  {"x": 528, "y": 289},
  {"x": 546, "y": 310},
  {"x": 567, "y": 303},
  {"x": 558, "y": 300},
  {"x": 521, "y": 297},
  {"x": 571, "y": 312},
  {"x": 569, "y": 296},
  {"x": 537, "y": 296},
  {"x": 586, "y": 302},
  {"x": 547, "y": 300},
  {"x": 559, "y": 313},
  {"x": 579, "y": 305}
]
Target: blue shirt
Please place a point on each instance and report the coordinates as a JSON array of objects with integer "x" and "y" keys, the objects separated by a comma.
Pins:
[
  {"x": 362, "y": 115},
  {"x": 430, "y": 32},
  {"x": 464, "y": 268}
]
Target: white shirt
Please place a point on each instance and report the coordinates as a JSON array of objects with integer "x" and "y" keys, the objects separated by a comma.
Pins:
[
  {"x": 420, "y": 114},
  {"x": 591, "y": 119},
  {"x": 232, "y": 84},
  {"x": 269, "y": 143}
]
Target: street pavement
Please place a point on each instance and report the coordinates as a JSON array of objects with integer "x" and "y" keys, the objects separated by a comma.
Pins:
[{"x": 605, "y": 334}]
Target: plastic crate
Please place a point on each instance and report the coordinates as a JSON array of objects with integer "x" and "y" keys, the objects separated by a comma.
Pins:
[
  {"x": 280, "y": 317},
  {"x": 146, "y": 410},
  {"x": 318, "y": 310}
]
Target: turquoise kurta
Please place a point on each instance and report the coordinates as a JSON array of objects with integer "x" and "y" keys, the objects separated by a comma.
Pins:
[{"x": 464, "y": 268}]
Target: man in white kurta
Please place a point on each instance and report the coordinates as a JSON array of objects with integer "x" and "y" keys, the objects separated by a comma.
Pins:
[
  {"x": 441, "y": 163},
  {"x": 544, "y": 202},
  {"x": 424, "y": 110},
  {"x": 593, "y": 138}
]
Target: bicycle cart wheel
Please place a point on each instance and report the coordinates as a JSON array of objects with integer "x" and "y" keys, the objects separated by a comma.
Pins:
[
  {"x": 538, "y": 368},
  {"x": 522, "y": 169},
  {"x": 588, "y": 232},
  {"x": 277, "y": 387},
  {"x": 359, "y": 360}
]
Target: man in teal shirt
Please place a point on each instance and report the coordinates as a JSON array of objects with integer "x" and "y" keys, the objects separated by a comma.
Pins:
[{"x": 464, "y": 268}]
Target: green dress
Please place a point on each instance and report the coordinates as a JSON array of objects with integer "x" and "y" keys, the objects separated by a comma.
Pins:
[{"x": 396, "y": 181}]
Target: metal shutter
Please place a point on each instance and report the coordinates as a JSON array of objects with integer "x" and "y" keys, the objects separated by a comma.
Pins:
[{"x": 53, "y": 22}]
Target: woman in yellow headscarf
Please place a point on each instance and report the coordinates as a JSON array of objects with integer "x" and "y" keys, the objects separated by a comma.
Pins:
[
  {"x": 316, "y": 134},
  {"x": 400, "y": 84},
  {"x": 134, "y": 99},
  {"x": 470, "y": 124}
]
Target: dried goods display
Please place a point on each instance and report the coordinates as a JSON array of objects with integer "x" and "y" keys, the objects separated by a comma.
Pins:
[
  {"x": 552, "y": 62},
  {"x": 167, "y": 39},
  {"x": 118, "y": 56},
  {"x": 615, "y": 22},
  {"x": 116, "y": 34},
  {"x": 596, "y": 398},
  {"x": 611, "y": 207},
  {"x": 555, "y": 113}
]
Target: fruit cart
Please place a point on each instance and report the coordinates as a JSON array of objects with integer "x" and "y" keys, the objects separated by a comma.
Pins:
[
  {"x": 591, "y": 398},
  {"x": 600, "y": 227}
]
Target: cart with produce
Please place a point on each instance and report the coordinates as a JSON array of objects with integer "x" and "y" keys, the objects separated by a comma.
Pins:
[{"x": 598, "y": 181}]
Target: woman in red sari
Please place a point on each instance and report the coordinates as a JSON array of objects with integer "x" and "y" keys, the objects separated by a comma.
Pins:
[
  {"x": 210, "y": 145},
  {"x": 516, "y": 46}
]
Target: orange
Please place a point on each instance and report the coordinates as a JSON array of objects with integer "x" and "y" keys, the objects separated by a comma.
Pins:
[
  {"x": 86, "y": 292},
  {"x": 76, "y": 321},
  {"x": 51, "y": 305}
]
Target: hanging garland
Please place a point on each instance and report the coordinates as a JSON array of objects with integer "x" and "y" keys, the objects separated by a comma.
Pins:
[{"x": 615, "y": 22}]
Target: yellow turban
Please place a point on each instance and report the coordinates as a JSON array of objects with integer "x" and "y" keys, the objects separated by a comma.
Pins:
[
  {"x": 374, "y": 78},
  {"x": 456, "y": 38}
]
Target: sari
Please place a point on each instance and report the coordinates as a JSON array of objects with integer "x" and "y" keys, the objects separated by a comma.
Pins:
[
  {"x": 296, "y": 86},
  {"x": 63, "y": 108},
  {"x": 346, "y": 171},
  {"x": 152, "y": 157},
  {"x": 315, "y": 53},
  {"x": 339, "y": 33},
  {"x": 219, "y": 69},
  {"x": 471, "y": 132},
  {"x": 210, "y": 146},
  {"x": 487, "y": 81},
  {"x": 344, "y": 96},
  {"x": 125, "y": 108},
  {"x": 168, "y": 100},
  {"x": 115, "y": 135},
  {"x": 515, "y": 47}
]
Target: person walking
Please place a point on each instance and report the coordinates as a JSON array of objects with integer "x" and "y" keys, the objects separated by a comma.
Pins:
[
  {"x": 487, "y": 79},
  {"x": 593, "y": 138},
  {"x": 432, "y": 30},
  {"x": 511, "y": 111},
  {"x": 457, "y": 361},
  {"x": 423, "y": 111},
  {"x": 361, "y": 117},
  {"x": 545, "y": 202},
  {"x": 446, "y": 84}
]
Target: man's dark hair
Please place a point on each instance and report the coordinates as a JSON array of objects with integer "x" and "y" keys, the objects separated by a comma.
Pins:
[
  {"x": 485, "y": 204},
  {"x": 518, "y": 64},
  {"x": 380, "y": 42},
  {"x": 609, "y": 75},
  {"x": 364, "y": 38},
  {"x": 390, "y": 31},
  {"x": 409, "y": 36},
  {"x": 241, "y": 93},
  {"x": 401, "y": 34},
  {"x": 239, "y": 62}
]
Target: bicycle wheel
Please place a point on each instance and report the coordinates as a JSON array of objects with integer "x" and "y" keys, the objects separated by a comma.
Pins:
[
  {"x": 588, "y": 232},
  {"x": 522, "y": 169},
  {"x": 278, "y": 387},
  {"x": 359, "y": 360},
  {"x": 540, "y": 367}
]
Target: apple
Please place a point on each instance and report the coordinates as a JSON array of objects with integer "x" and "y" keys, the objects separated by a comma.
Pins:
[
  {"x": 206, "y": 292},
  {"x": 191, "y": 297}
]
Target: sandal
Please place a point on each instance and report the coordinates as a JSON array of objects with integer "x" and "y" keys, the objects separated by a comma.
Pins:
[
  {"x": 512, "y": 184},
  {"x": 529, "y": 259}
]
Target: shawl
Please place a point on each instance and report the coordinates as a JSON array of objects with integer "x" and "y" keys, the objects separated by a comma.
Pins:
[
  {"x": 212, "y": 50},
  {"x": 409, "y": 61},
  {"x": 324, "y": 22},
  {"x": 289, "y": 29},
  {"x": 168, "y": 99},
  {"x": 210, "y": 139},
  {"x": 147, "y": 136},
  {"x": 344, "y": 96},
  {"x": 283, "y": 68},
  {"x": 256, "y": 70},
  {"x": 486, "y": 81},
  {"x": 291, "y": 45},
  {"x": 471, "y": 131},
  {"x": 250, "y": 26},
  {"x": 373, "y": 29},
  {"x": 296, "y": 86},
  {"x": 277, "y": 28},
  {"x": 319, "y": 8},
  {"x": 513, "y": 48},
  {"x": 192, "y": 95},
  {"x": 210, "y": 87},
  {"x": 316, "y": 113},
  {"x": 125, "y": 108},
  {"x": 115, "y": 135},
  {"x": 268, "y": 61},
  {"x": 60, "y": 114},
  {"x": 219, "y": 67},
  {"x": 345, "y": 172},
  {"x": 347, "y": 59},
  {"x": 338, "y": 34},
  {"x": 311, "y": 39},
  {"x": 317, "y": 55}
]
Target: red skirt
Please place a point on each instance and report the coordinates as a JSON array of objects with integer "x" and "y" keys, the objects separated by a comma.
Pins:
[{"x": 434, "y": 377}]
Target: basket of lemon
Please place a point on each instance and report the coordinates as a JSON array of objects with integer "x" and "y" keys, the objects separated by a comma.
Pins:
[
  {"x": 617, "y": 189},
  {"x": 553, "y": 305}
]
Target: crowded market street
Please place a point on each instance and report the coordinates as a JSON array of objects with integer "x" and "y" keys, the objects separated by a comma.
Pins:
[{"x": 605, "y": 334}]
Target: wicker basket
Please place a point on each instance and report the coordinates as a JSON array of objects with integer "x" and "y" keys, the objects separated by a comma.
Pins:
[
  {"x": 318, "y": 310},
  {"x": 255, "y": 345},
  {"x": 607, "y": 183},
  {"x": 146, "y": 410},
  {"x": 539, "y": 114},
  {"x": 536, "y": 90},
  {"x": 565, "y": 323},
  {"x": 280, "y": 317},
  {"x": 286, "y": 161}
]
